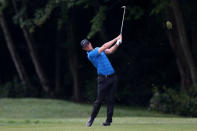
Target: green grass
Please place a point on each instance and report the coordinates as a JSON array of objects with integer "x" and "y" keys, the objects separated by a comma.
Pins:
[{"x": 56, "y": 115}]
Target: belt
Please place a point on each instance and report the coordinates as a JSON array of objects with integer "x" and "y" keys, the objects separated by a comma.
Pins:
[{"x": 107, "y": 76}]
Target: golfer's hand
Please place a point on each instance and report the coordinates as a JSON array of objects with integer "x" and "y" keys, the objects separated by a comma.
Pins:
[
  {"x": 119, "y": 37},
  {"x": 119, "y": 40}
]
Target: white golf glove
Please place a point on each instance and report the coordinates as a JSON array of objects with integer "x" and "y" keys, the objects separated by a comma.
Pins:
[{"x": 118, "y": 42}]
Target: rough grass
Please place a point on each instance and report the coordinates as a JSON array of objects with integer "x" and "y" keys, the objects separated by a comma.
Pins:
[
  {"x": 55, "y": 115},
  {"x": 46, "y": 108}
]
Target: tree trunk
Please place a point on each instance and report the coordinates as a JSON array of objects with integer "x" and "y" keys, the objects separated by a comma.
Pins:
[
  {"x": 33, "y": 54},
  {"x": 194, "y": 28},
  {"x": 41, "y": 75},
  {"x": 184, "y": 44},
  {"x": 194, "y": 42},
  {"x": 183, "y": 68},
  {"x": 58, "y": 65},
  {"x": 72, "y": 54},
  {"x": 181, "y": 61},
  {"x": 74, "y": 72},
  {"x": 15, "y": 57}
]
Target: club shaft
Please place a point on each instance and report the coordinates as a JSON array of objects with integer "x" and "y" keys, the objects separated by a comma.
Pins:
[{"x": 122, "y": 21}]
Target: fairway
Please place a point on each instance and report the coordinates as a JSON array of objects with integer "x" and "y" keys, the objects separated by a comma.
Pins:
[
  {"x": 120, "y": 124},
  {"x": 18, "y": 115}
]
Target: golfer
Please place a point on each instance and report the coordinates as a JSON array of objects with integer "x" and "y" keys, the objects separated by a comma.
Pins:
[{"x": 107, "y": 79}]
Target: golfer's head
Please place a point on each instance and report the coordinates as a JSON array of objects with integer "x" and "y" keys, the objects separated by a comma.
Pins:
[{"x": 86, "y": 45}]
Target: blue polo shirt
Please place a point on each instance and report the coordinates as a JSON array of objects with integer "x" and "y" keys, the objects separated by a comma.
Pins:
[{"x": 100, "y": 62}]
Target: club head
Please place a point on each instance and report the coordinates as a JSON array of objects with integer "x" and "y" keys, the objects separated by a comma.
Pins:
[{"x": 123, "y": 7}]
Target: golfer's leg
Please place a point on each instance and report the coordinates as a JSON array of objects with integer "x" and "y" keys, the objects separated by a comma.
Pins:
[
  {"x": 100, "y": 97},
  {"x": 97, "y": 104},
  {"x": 110, "y": 100}
]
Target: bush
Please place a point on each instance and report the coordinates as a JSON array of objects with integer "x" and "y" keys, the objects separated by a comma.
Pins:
[
  {"x": 5, "y": 90},
  {"x": 12, "y": 89},
  {"x": 173, "y": 101},
  {"x": 90, "y": 91}
]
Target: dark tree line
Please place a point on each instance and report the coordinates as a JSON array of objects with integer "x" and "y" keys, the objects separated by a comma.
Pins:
[{"x": 42, "y": 39}]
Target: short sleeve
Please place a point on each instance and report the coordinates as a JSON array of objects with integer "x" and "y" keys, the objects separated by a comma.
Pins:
[{"x": 94, "y": 52}]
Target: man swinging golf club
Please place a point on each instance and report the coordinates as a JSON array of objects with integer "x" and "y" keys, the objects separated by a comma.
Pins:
[
  {"x": 106, "y": 76},
  {"x": 107, "y": 79}
]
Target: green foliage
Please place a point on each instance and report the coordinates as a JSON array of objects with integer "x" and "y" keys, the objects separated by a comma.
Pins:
[
  {"x": 97, "y": 21},
  {"x": 19, "y": 19},
  {"x": 12, "y": 89},
  {"x": 136, "y": 11},
  {"x": 42, "y": 15},
  {"x": 72, "y": 3},
  {"x": 160, "y": 6},
  {"x": 3, "y": 4},
  {"x": 90, "y": 91},
  {"x": 63, "y": 15},
  {"x": 15, "y": 89},
  {"x": 84, "y": 3},
  {"x": 5, "y": 89},
  {"x": 172, "y": 101}
]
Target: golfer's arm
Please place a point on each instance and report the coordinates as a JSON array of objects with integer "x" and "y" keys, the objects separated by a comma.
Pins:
[
  {"x": 111, "y": 50},
  {"x": 107, "y": 45}
]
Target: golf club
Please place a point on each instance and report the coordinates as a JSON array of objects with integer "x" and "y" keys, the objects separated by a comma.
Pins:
[{"x": 122, "y": 19}]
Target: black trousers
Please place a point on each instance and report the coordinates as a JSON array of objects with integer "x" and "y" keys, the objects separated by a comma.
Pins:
[{"x": 106, "y": 90}]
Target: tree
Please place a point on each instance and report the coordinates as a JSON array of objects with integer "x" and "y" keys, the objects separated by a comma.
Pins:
[
  {"x": 30, "y": 42},
  {"x": 178, "y": 39},
  {"x": 184, "y": 43},
  {"x": 193, "y": 27},
  {"x": 10, "y": 44},
  {"x": 58, "y": 64},
  {"x": 41, "y": 17},
  {"x": 72, "y": 56},
  {"x": 98, "y": 21}
]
